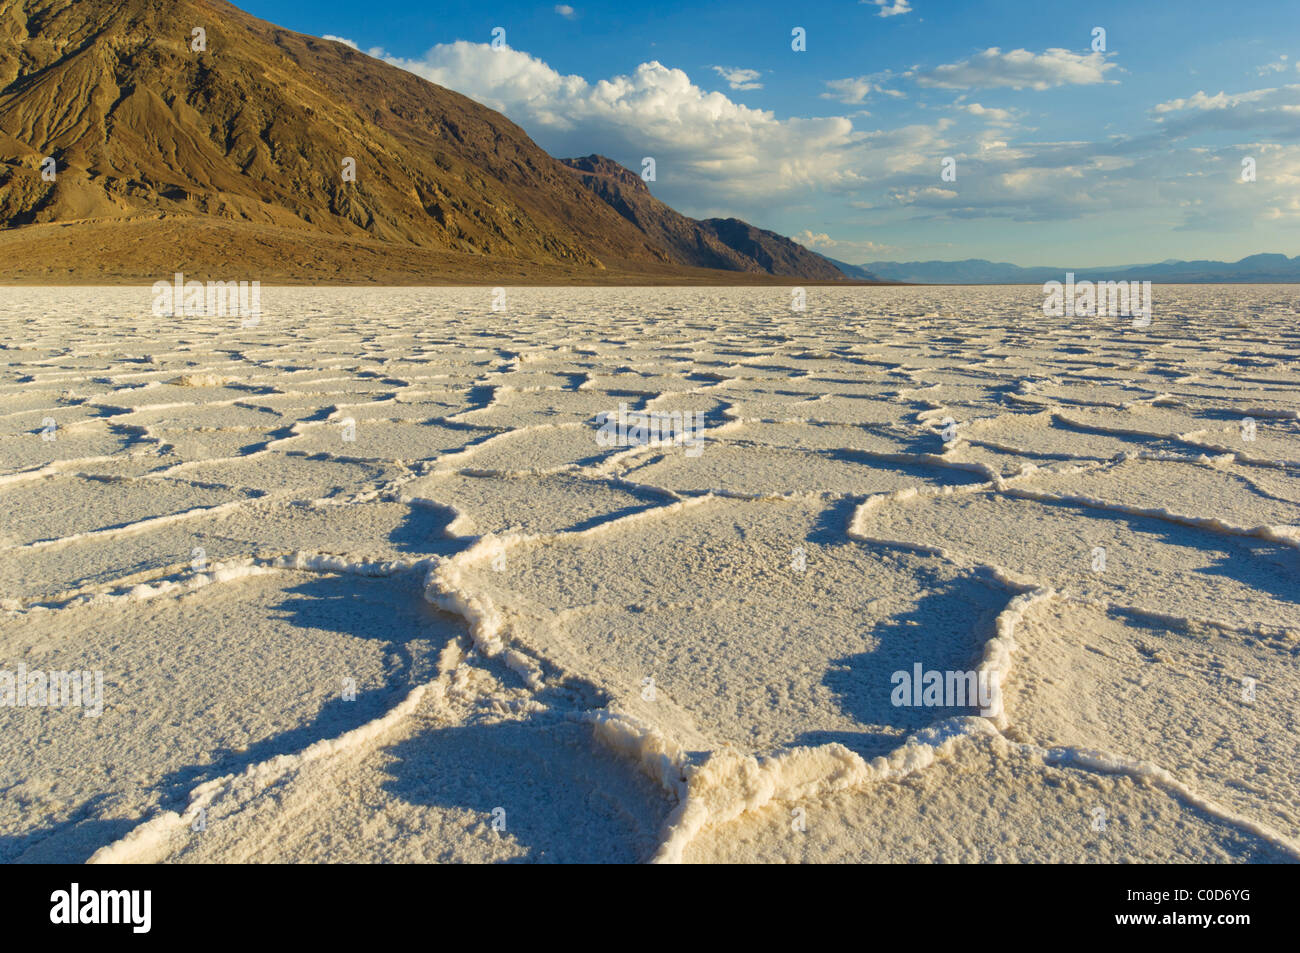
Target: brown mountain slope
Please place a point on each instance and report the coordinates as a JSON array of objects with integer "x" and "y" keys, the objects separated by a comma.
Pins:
[
  {"x": 774, "y": 253},
  {"x": 625, "y": 192},
  {"x": 142, "y": 250},
  {"x": 250, "y": 135},
  {"x": 715, "y": 243}
]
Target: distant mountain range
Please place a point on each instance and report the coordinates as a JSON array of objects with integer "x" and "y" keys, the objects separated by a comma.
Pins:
[
  {"x": 977, "y": 271},
  {"x": 230, "y": 161}
]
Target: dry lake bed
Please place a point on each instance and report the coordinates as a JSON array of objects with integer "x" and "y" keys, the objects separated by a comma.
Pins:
[{"x": 616, "y": 575}]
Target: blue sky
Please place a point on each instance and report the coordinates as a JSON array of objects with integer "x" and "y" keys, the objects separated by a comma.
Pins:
[{"x": 1064, "y": 154}]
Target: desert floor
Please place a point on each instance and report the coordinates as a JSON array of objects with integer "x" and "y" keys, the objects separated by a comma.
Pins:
[{"x": 362, "y": 583}]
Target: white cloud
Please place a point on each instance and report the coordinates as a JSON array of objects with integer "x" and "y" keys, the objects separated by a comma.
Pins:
[
  {"x": 1018, "y": 69},
  {"x": 718, "y": 157},
  {"x": 1253, "y": 99},
  {"x": 844, "y": 250},
  {"x": 1280, "y": 65},
  {"x": 850, "y": 91},
  {"x": 739, "y": 79},
  {"x": 853, "y": 90},
  {"x": 341, "y": 39},
  {"x": 566, "y": 11},
  {"x": 814, "y": 239},
  {"x": 707, "y": 147},
  {"x": 1275, "y": 110},
  {"x": 928, "y": 194},
  {"x": 890, "y": 8},
  {"x": 988, "y": 113}
]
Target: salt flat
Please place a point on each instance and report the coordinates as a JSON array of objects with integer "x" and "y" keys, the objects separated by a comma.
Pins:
[{"x": 363, "y": 580}]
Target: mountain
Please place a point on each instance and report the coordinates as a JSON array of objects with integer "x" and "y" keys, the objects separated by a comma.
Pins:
[
  {"x": 977, "y": 271},
  {"x": 971, "y": 271},
  {"x": 713, "y": 243},
  {"x": 774, "y": 253},
  {"x": 684, "y": 238},
  {"x": 857, "y": 272},
  {"x": 229, "y": 160}
]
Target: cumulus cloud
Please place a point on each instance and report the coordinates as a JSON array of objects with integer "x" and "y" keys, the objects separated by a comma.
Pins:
[
  {"x": 929, "y": 194},
  {"x": 1278, "y": 96},
  {"x": 995, "y": 115},
  {"x": 890, "y": 8},
  {"x": 811, "y": 239},
  {"x": 850, "y": 91},
  {"x": 989, "y": 114},
  {"x": 850, "y": 251},
  {"x": 715, "y": 156},
  {"x": 740, "y": 79},
  {"x": 854, "y": 90},
  {"x": 1018, "y": 69},
  {"x": 1275, "y": 110},
  {"x": 706, "y": 146},
  {"x": 340, "y": 39},
  {"x": 1280, "y": 65}
]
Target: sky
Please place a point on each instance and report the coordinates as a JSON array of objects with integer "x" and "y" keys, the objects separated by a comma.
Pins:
[{"x": 1175, "y": 133}]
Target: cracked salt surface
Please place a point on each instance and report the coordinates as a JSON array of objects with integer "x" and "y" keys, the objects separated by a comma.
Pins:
[{"x": 562, "y": 651}]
